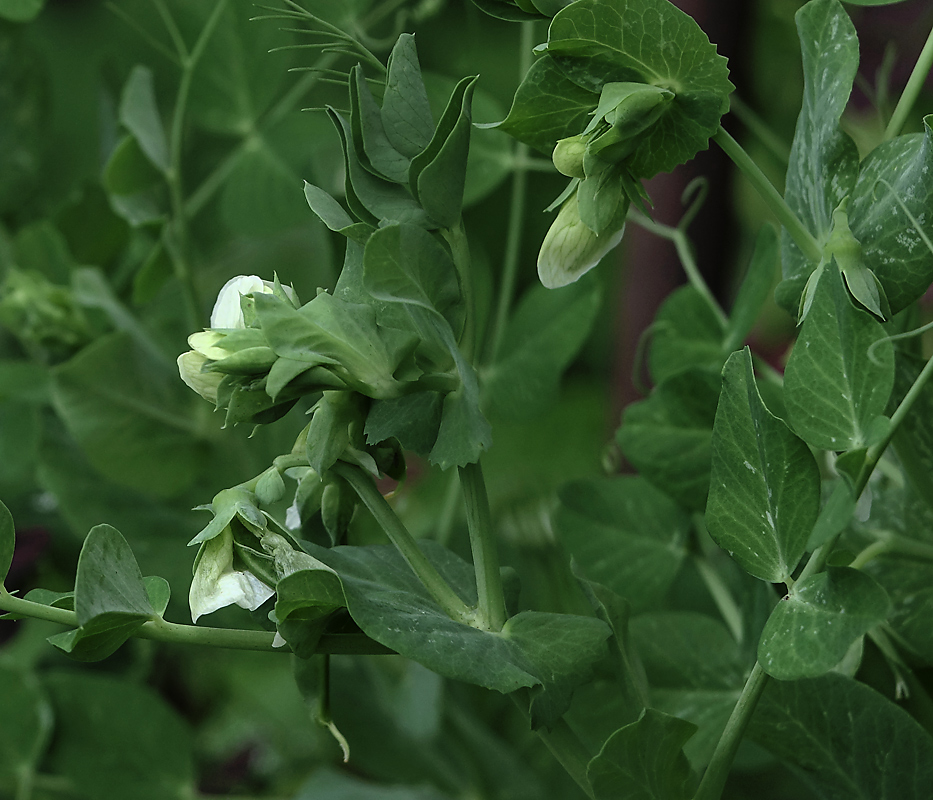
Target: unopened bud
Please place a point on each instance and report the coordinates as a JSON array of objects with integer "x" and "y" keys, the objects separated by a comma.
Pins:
[{"x": 568, "y": 155}]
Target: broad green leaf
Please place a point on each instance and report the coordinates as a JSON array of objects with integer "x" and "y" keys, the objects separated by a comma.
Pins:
[
  {"x": 329, "y": 784},
  {"x": 7, "y": 541},
  {"x": 644, "y": 761},
  {"x": 696, "y": 671},
  {"x": 835, "y": 514},
  {"x": 548, "y": 106},
  {"x": 824, "y": 160},
  {"x": 437, "y": 175},
  {"x": 541, "y": 339},
  {"x": 765, "y": 485},
  {"x": 909, "y": 583},
  {"x": 27, "y": 724},
  {"x": 685, "y": 334},
  {"x": 126, "y": 413},
  {"x": 128, "y": 170},
  {"x": 873, "y": 2},
  {"x": 158, "y": 593},
  {"x": 913, "y": 439},
  {"x": 890, "y": 217},
  {"x": 811, "y": 629},
  {"x": 413, "y": 419},
  {"x": 505, "y": 9},
  {"x": 850, "y": 742},
  {"x": 755, "y": 288},
  {"x": 837, "y": 381},
  {"x": 406, "y": 113},
  {"x": 653, "y": 42},
  {"x": 373, "y": 147},
  {"x": 21, "y": 10},
  {"x": 140, "y": 115},
  {"x": 110, "y": 599},
  {"x": 304, "y": 602},
  {"x": 116, "y": 740},
  {"x": 667, "y": 436},
  {"x": 388, "y": 602},
  {"x": 624, "y": 534}
]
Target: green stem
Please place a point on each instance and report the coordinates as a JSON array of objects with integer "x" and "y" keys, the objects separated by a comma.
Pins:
[
  {"x": 757, "y": 126},
  {"x": 460, "y": 251},
  {"x": 872, "y": 456},
  {"x": 714, "y": 779},
  {"x": 398, "y": 534},
  {"x": 483, "y": 546},
  {"x": 911, "y": 90},
  {"x": 685, "y": 253},
  {"x": 772, "y": 197},
  {"x": 566, "y": 747},
  {"x": 513, "y": 239}
]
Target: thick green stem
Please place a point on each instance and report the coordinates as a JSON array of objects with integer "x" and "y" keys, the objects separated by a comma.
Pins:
[
  {"x": 757, "y": 126},
  {"x": 714, "y": 779},
  {"x": 566, "y": 747},
  {"x": 162, "y": 631},
  {"x": 398, "y": 534},
  {"x": 483, "y": 545},
  {"x": 722, "y": 597},
  {"x": 772, "y": 197},
  {"x": 911, "y": 90}
]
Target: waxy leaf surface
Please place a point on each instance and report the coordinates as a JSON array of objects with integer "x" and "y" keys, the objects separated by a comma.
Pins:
[
  {"x": 834, "y": 388},
  {"x": 765, "y": 485},
  {"x": 824, "y": 161},
  {"x": 850, "y": 742},
  {"x": 812, "y": 628}
]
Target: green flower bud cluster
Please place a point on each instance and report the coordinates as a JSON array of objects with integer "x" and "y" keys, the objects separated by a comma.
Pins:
[
  {"x": 264, "y": 351},
  {"x": 45, "y": 317},
  {"x": 593, "y": 206}
]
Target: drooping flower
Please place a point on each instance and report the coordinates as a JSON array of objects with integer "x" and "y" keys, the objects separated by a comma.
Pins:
[{"x": 217, "y": 584}]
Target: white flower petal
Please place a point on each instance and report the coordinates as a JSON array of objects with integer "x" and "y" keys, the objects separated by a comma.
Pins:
[
  {"x": 204, "y": 383},
  {"x": 227, "y": 312}
]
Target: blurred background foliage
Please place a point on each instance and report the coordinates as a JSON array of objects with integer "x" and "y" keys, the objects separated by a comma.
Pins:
[{"x": 139, "y": 170}]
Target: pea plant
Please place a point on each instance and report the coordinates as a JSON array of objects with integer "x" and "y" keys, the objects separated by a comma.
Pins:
[{"x": 751, "y": 606}]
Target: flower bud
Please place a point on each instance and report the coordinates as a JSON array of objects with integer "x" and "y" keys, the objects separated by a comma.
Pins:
[
  {"x": 568, "y": 155},
  {"x": 570, "y": 249},
  {"x": 190, "y": 367},
  {"x": 228, "y": 308}
]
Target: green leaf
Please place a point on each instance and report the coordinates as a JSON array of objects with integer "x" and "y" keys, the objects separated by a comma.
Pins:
[
  {"x": 21, "y": 10},
  {"x": 667, "y": 436},
  {"x": 837, "y": 382},
  {"x": 413, "y": 419},
  {"x": 548, "y": 106},
  {"x": 329, "y": 784},
  {"x": 644, "y": 761},
  {"x": 406, "y": 112},
  {"x": 696, "y": 670},
  {"x": 27, "y": 724},
  {"x": 369, "y": 136},
  {"x": 437, "y": 175},
  {"x": 889, "y": 215},
  {"x": 127, "y": 414},
  {"x": 128, "y": 171},
  {"x": 139, "y": 113},
  {"x": 652, "y": 42},
  {"x": 7, "y": 541},
  {"x": 373, "y": 199},
  {"x": 503, "y": 9},
  {"x": 117, "y": 740},
  {"x": 333, "y": 215},
  {"x": 835, "y": 514},
  {"x": 685, "y": 334},
  {"x": 909, "y": 583},
  {"x": 541, "y": 339},
  {"x": 624, "y": 534},
  {"x": 810, "y": 630},
  {"x": 824, "y": 161},
  {"x": 388, "y": 602},
  {"x": 158, "y": 593},
  {"x": 850, "y": 742},
  {"x": 765, "y": 485},
  {"x": 755, "y": 288},
  {"x": 873, "y": 2},
  {"x": 110, "y": 600}
]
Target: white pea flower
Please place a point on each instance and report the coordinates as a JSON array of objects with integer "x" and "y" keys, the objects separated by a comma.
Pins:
[
  {"x": 217, "y": 584},
  {"x": 228, "y": 312},
  {"x": 204, "y": 383}
]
